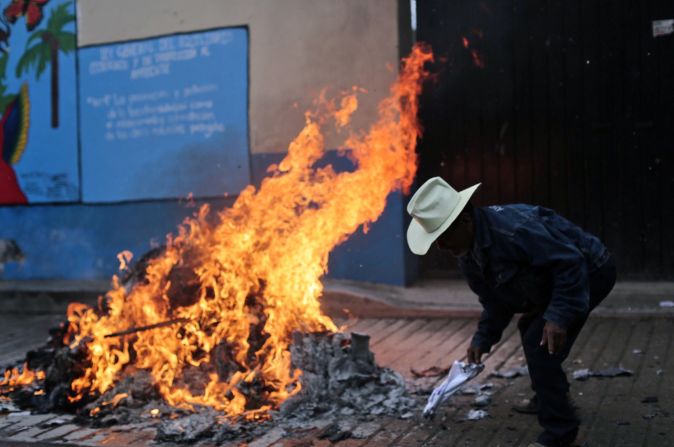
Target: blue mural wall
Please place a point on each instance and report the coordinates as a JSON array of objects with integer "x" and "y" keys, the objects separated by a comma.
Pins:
[
  {"x": 82, "y": 241},
  {"x": 165, "y": 117},
  {"x": 159, "y": 119}
]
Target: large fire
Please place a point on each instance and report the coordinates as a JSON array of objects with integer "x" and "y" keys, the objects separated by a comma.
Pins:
[{"x": 258, "y": 266}]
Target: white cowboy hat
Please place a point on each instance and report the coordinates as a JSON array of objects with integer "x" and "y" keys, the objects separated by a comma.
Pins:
[{"x": 434, "y": 207}]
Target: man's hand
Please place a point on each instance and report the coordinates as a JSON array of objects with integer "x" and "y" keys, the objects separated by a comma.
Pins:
[
  {"x": 554, "y": 336},
  {"x": 474, "y": 354}
]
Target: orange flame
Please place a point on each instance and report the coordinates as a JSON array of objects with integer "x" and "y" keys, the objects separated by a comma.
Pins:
[
  {"x": 16, "y": 377},
  {"x": 477, "y": 58},
  {"x": 116, "y": 399},
  {"x": 124, "y": 258},
  {"x": 475, "y": 55},
  {"x": 257, "y": 266}
]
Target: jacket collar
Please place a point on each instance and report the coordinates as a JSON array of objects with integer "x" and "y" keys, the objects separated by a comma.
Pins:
[{"x": 481, "y": 237}]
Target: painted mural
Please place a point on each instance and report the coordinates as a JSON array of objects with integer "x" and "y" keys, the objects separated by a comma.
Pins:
[
  {"x": 164, "y": 117},
  {"x": 38, "y": 126}
]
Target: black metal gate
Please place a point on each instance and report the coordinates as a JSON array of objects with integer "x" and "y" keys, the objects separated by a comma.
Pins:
[{"x": 566, "y": 104}]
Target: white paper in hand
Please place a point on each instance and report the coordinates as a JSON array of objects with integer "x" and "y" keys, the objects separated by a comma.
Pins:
[{"x": 458, "y": 375}]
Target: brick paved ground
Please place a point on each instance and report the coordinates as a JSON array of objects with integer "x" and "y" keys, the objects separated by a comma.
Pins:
[{"x": 612, "y": 409}]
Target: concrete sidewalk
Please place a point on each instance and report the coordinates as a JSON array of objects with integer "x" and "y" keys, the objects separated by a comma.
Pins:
[
  {"x": 447, "y": 298},
  {"x": 426, "y": 299}
]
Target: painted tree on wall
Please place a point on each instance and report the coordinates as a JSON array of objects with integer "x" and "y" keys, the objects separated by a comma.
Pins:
[{"x": 43, "y": 48}]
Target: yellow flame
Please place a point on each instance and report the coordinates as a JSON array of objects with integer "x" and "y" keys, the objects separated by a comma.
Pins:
[
  {"x": 116, "y": 399},
  {"x": 257, "y": 268},
  {"x": 124, "y": 259},
  {"x": 16, "y": 377}
]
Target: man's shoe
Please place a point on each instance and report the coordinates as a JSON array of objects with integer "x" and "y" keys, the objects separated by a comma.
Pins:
[{"x": 527, "y": 406}]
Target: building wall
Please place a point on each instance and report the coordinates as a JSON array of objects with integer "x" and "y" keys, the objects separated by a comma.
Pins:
[
  {"x": 568, "y": 109},
  {"x": 296, "y": 49}
]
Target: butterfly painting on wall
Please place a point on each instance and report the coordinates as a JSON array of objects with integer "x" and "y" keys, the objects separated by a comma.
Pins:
[{"x": 30, "y": 9}]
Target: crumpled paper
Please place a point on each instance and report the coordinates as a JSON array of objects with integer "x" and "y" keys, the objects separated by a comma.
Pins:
[
  {"x": 584, "y": 374},
  {"x": 458, "y": 375},
  {"x": 510, "y": 373},
  {"x": 476, "y": 415}
]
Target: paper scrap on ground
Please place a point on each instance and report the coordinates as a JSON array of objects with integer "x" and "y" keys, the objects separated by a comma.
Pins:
[
  {"x": 477, "y": 388},
  {"x": 482, "y": 400},
  {"x": 476, "y": 415},
  {"x": 458, "y": 375},
  {"x": 584, "y": 374},
  {"x": 433, "y": 371},
  {"x": 510, "y": 373}
]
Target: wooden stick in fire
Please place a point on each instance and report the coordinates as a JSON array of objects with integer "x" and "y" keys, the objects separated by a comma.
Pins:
[{"x": 149, "y": 327}]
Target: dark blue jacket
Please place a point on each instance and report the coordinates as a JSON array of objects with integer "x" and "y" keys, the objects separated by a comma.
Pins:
[{"x": 528, "y": 259}]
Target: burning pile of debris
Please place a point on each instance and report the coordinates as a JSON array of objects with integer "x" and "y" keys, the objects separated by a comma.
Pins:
[
  {"x": 339, "y": 379},
  {"x": 221, "y": 329}
]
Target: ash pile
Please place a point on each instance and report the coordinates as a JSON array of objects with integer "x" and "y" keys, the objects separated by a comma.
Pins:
[
  {"x": 340, "y": 381},
  {"x": 340, "y": 385},
  {"x": 339, "y": 375}
]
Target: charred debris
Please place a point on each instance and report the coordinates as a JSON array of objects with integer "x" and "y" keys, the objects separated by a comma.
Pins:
[{"x": 340, "y": 380}]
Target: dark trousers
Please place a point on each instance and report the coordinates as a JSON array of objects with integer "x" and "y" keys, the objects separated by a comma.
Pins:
[{"x": 555, "y": 412}]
